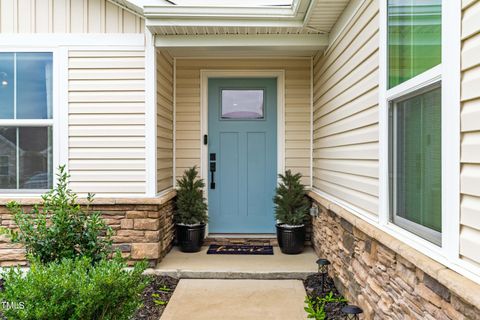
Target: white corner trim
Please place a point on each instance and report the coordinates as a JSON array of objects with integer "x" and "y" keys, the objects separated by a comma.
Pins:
[
  {"x": 383, "y": 156},
  {"x": 150, "y": 116},
  {"x": 311, "y": 121},
  {"x": 451, "y": 131},
  {"x": 206, "y": 74},
  {"x": 174, "y": 116}
]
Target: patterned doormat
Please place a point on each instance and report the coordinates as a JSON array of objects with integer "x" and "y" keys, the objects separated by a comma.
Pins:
[{"x": 239, "y": 249}]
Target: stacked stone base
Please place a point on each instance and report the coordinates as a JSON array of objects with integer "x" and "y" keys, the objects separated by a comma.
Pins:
[
  {"x": 143, "y": 230},
  {"x": 382, "y": 282}
]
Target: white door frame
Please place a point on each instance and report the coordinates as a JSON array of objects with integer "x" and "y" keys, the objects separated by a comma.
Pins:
[{"x": 205, "y": 75}]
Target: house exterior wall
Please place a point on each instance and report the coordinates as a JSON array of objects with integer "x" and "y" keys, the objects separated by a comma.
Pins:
[
  {"x": 371, "y": 266},
  {"x": 385, "y": 278},
  {"x": 345, "y": 116},
  {"x": 67, "y": 16},
  {"x": 100, "y": 69},
  {"x": 297, "y": 108},
  {"x": 164, "y": 120},
  {"x": 101, "y": 85},
  {"x": 106, "y": 109},
  {"x": 470, "y": 127}
]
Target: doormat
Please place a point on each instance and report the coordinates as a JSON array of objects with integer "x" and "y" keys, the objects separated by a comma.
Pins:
[{"x": 239, "y": 249}]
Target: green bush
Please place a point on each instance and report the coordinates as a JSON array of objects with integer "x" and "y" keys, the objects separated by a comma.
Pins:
[
  {"x": 291, "y": 204},
  {"x": 74, "y": 289},
  {"x": 59, "y": 228},
  {"x": 191, "y": 204},
  {"x": 316, "y": 307}
]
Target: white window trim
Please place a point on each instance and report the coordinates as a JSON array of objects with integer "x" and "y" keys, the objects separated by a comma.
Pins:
[
  {"x": 449, "y": 74},
  {"x": 60, "y": 44},
  {"x": 59, "y": 152},
  {"x": 49, "y": 40},
  {"x": 420, "y": 84}
]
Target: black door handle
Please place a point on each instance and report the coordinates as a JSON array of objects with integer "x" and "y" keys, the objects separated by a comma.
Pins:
[{"x": 213, "y": 168}]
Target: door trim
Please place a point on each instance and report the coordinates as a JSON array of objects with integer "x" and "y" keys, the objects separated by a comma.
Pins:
[{"x": 205, "y": 74}]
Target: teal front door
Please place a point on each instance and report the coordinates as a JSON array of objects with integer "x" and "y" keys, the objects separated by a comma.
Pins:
[{"x": 242, "y": 154}]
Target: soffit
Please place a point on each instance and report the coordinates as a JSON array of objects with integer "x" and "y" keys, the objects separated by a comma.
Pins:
[
  {"x": 305, "y": 17},
  {"x": 325, "y": 14}
]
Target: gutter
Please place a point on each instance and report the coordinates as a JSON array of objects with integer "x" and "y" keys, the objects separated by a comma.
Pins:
[{"x": 166, "y": 14}]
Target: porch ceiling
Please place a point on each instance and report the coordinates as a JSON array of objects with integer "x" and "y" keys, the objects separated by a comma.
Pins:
[
  {"x": 301, "y": 29},
  {"x": 281, "y": 45}
]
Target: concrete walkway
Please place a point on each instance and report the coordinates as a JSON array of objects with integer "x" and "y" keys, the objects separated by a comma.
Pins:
[
  {"x": 213, "y": 299},
  {"x": 202, "y": 266}
]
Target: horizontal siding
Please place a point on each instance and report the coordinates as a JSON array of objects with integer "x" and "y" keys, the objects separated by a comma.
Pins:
[
  {"x": 345, "y": 118},
  {"x": 470, "y": 126},
  {"x": 164, "y": 121},
  {"x": 297, "y": 108},
  {"x": 66, "y": 16},
  {"x": 107, "y": 122}
]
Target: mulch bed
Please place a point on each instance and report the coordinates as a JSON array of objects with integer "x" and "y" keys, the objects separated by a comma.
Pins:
[
  {"x": 155, "y": 297},
  {"x": 313, "y": 286}
]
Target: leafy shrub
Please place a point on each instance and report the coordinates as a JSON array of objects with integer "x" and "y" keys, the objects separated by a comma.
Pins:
[
  {"x": 59, "y": 228},
  {"x": 315, "y": 308},
  {"x": 74, "y": 289},
  {"x": 291, "y": 204},
  {"x": 191, "y": 205}
]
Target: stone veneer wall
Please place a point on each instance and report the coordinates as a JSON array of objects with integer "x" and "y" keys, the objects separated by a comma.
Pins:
[
  {"x": 143, "y": 229},
  {"x": 385, "y": 284}
]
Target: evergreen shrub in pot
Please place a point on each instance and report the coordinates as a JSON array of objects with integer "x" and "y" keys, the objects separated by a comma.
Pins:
[
  {"x": 191, "y": 211},
  {"x": 291, "y": 210}
]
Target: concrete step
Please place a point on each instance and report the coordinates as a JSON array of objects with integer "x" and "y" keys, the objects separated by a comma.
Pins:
[{"x": 199, "y": 265}]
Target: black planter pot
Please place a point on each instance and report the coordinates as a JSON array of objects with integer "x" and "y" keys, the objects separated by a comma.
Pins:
[
  {"x": 190, "y": 238},
  {"x": 291, "y": 240}
]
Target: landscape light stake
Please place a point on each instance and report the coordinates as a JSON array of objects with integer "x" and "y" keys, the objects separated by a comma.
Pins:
[
  {"x": 352, "y": 312},
  {"x": 323, "y": 270}
]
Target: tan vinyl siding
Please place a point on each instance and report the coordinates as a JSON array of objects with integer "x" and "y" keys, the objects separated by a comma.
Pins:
[
  {"x": 470, "y": 126},
  {"x": 297, "y": 108},
  {"x": 106, "y": 101},
  {"x": 164, "y": 121},
  {"x": 345, "y": 100},
  {"x": 67, "y": 16}
]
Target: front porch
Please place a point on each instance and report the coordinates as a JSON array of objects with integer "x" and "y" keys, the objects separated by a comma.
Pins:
[
  {"x": 200, "y": 265},
  {"x": 186, "y": 135}
]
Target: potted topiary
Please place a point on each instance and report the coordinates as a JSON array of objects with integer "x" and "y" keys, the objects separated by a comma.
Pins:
[
  {"x": 291, "y": 208},
  {"x": 191, "y": 213}
]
